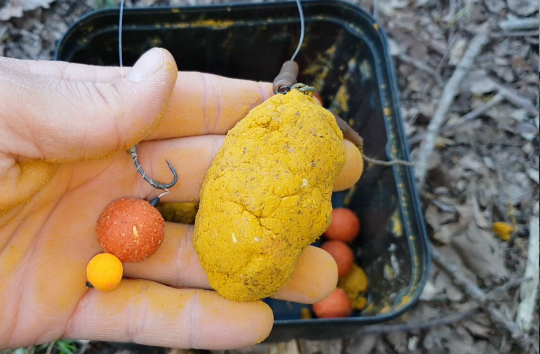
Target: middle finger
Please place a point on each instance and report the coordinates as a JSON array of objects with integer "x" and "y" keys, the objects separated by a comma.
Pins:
[
  {"x": 192, "y": 156},
  {"x": 176, "y": 264}
]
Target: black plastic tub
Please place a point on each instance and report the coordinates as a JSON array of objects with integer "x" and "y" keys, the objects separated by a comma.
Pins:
[{"x": 345, "y": 56}]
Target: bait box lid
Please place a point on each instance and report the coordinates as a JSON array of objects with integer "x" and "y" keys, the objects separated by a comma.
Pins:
[{"x": 345, "y": 55}]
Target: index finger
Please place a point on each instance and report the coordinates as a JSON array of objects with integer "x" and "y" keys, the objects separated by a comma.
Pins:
[{"x": 208, "y": 104}]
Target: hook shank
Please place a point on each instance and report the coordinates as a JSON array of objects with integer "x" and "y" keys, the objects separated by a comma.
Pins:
[{"x": 158, "y": 185}]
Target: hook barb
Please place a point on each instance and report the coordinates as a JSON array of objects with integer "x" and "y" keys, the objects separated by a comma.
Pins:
[{"x": 158, "y": 185}]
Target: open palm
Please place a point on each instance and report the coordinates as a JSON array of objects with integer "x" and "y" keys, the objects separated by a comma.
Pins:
[{"x": 64, "y": 132}]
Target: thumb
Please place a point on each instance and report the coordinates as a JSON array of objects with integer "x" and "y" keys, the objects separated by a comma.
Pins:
[{"x": 62, "y": 119}]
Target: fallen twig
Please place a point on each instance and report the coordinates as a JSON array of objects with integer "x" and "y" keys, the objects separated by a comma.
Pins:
[
  {"x": 446, "y": 320},
  {"x": 428, "y": 143},
  {"x": 503, "y": 93},
  {"x": 451, "y": 11},
  {"x": 407, "y": 327},
  {"x": 474, "y": 292},
  {"x": 387, "y": 163},
  {"x": 436, "y": 45},
  {"x": 512, "y": 283},
  {"x": 519, "y": 24},
  {"x": 375, "y": 10},
  {"x": 290, "y": 347},
  {"x": 498, "y": 142},
  {"x": 477, "y": 295},
  {"x": 475, "y": 113},
  {"x": 446, "y": 54},
  {"x": 529, "y": 290},
  {"x": 49, "y": 348},
  {"x": 531, "y": 40},
  {"x": 515, "y": 34},
  {"x": 514, "y": 97},
  {"x": 85, "y": 344},
  {"x": 421, "y": 66}
]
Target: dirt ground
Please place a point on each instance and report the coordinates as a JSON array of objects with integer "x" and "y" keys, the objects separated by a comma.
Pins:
[{"x": 484, "y": 168}]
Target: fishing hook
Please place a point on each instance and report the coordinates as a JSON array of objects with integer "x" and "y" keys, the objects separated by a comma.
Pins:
[
  {"x": 133, "y": 150},
  {"x": 303, "y": 88},
  {"x": 158, "y": 185}
]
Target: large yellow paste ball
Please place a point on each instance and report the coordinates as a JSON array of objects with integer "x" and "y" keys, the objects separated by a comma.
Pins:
[{"x": 267, "y": 195}]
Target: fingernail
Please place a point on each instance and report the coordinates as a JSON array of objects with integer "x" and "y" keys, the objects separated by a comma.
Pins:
[{"x": 146, "y": 66}]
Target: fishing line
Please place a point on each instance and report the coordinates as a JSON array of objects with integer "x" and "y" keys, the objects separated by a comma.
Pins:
[
  {"x": 133, "y": 151},
  {"x": 287, "y": 88},
  {"x": 120, "y": 33},
  {"x": 302, "y": 29}
]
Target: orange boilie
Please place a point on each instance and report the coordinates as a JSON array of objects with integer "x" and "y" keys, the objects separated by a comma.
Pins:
[
  {"x": 341, "y": 253},
  {"x": 336, "y": 305},
  {"x": 344, "y": 226},
  {"x": 131, "y": 229}
]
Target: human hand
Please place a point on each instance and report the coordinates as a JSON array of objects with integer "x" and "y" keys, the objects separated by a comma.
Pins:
[{"x": 64, "y": 129}]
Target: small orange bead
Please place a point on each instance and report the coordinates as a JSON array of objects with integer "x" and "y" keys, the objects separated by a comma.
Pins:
[{"x": 104, "y": 272}]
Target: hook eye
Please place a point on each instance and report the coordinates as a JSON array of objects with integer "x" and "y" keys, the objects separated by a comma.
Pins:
[{"x": 283, "y": 90}]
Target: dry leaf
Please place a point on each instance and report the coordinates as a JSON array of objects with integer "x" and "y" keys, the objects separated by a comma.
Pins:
[
  {"x": 429, "y": 292},
  {"x": 398, "y": 341},
  {"x": 422, "y": 312},
  {"x": 478, "y": 216},
  {"x": 427, "y": 109},
  {"x": 527, "y": 131},
  {"x": 495, "y": 6},
  {"x": 442, "y": 283},
  {"x": 445, "y": 233},
  {"x": 452, "y": 292},
  {"x": 456, "y": 53},
  {"x": 533, "y": 174},
  {"x": 446, "y": 204},
  {"x": 444, "y": 339},
  {"x": 442, "y": 142},
  {"x": 11, "y": 9},
  {"x": 465, "y": 213},
  {"x": 476, "y": 329},
  {"x": 523, "y": 7},
  {"x": 519, "y": 114},
  {"x": 432, "y": 217},
  {"x": 320, "y": 347},
  {"x": 472, "y": 162},
  {"x": 479, "y": 83},
  {"x": 444, "y": 207},
  {"x": 426, "y": 3},
  {"x": 412, "y": 345},
  {"x": 15, "y": 8},
  {"x": 362, "y": 344},
  {"x": 519, "y": 189},
  {"x": 435, "y": 218},
  {"x": 481, "y": 254},
  {"x": 435, "y": 161},
  {"x": 505, "y": 73},
  {"x": 395, "y": 48},
  {"x": 419, "y": 51}
]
